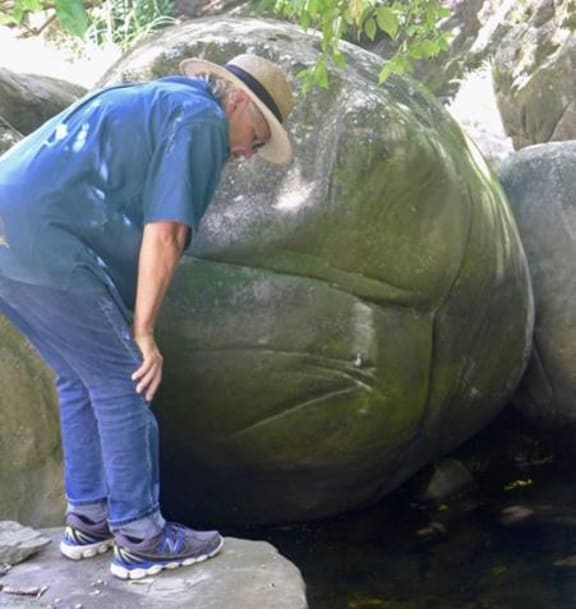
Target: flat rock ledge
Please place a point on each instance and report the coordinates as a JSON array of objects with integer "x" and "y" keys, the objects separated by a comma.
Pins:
[
  {"x": 17, "y": 542},
  {"x": 245, "y": 575}
]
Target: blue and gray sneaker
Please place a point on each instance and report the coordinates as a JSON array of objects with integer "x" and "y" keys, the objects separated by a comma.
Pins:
[
  {"x": 176, "y": 546},
  {"x": 84, "y": 538}
]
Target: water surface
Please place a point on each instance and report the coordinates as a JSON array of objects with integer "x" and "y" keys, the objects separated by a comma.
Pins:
[{"x": 375, "y": 559}]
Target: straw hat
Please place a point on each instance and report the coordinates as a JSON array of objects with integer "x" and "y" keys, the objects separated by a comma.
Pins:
[{"x": 268, "y": 88}]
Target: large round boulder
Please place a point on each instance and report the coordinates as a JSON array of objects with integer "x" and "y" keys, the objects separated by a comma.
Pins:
[
  {"x": 540, "y": 182},
  {"x": 344, "y": 321},
  {"x": 8, "y": 137}
]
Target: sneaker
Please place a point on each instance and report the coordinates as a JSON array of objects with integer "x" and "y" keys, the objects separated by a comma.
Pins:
[
  {"x": 176, "y": 546},
  {"x": 84, "y": 538}
]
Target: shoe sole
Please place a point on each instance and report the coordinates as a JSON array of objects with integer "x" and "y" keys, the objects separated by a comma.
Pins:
[
  {"x": 87, "y": 551},
  {"x": 138, "y": 573}
]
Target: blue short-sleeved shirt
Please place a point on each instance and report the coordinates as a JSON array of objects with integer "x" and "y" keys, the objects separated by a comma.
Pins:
[{"x": 76, "y": 194}]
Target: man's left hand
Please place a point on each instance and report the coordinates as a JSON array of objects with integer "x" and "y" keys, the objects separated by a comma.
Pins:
[{"x": 149, "y": 375}]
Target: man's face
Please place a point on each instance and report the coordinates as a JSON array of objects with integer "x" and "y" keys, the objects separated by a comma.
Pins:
[{"x": 248, "y": 130}]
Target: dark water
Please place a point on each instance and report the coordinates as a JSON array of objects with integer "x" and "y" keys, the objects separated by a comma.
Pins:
[{"x": 376, "y": 559}]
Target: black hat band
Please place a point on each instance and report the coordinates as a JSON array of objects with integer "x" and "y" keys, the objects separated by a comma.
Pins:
[{"x": 256, "y": 88}]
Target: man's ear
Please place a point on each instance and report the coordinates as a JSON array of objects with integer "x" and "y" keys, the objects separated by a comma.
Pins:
[{"x": 237, "y": 100}]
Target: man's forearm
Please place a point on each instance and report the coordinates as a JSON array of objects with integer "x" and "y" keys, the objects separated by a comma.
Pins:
[{"x": 160, "y": 252}]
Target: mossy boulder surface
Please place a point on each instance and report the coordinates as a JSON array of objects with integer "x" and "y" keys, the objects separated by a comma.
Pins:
[
  {"x": 31, "y": 485},
  {"x": 344, "y": 321},
  {"x": 339, "y": 323}
]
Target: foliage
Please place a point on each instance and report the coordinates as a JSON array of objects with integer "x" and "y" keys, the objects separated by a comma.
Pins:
[
  {"x": 71, "y": 14},
  {"x": 123, "y": 22},
  {"x": 413, "y": 26},
  {"x": 119, "y": 22}
]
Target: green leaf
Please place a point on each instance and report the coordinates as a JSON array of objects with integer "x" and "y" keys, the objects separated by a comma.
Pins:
[
  {"x": 72, "y": 15},
  {"x": 354, "y": 12},
  {"x": 442, "y": 11},
  {"x": 17, "y": 13},
  {"x": 313, "y": 7},
  {"x": 285, "y": 8},
  {"x": 307, "y": 79},
  {"x": 304, "y": 74},
  {"x": 7, "y": 19},
  {"x": 385, "y": 73},
  {"x": 30, "y": 5},
  {"x": 387, "y": 21},
  {"x": 370, "y": 28},
  {"x": 339, "y": 60},
  {"x": 398, "y": 64},
  {"x": 321, "y": 75},
  {"x": 415, "y": 50},
  {"x": 430, "y": 14},
  {"x": 443, "y": 43},
  {"x": 337, "y": 26},
  {"x": 423, "y": 49}
]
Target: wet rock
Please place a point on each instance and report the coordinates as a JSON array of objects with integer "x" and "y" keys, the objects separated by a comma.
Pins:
[
  {"x": 444, "y": 493},
  {"x": 432, "y": 531},
  {"x": 569, "y": 561},
  {"x": 245, "y": 575},
  {"x": 537, "y": 514},
  {"x": 17, "y": 542},
  {"x": 449, "y": 478}
]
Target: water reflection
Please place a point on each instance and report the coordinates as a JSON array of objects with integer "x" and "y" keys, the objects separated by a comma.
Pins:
[{"x": 376, "y": 559}]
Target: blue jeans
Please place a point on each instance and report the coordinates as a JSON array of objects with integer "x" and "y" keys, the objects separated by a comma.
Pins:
[{"x": 109, "y": 433}]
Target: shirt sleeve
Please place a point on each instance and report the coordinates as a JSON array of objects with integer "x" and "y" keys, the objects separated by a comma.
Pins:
[{"x": 184, "y": 172}]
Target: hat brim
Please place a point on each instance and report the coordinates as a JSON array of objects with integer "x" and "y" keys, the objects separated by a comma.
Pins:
[{"x": 278, "y": 150}]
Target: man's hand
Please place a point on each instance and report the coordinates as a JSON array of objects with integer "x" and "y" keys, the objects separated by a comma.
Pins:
[
  {"x": 149, "y": 375},
  {"x": 160, "y": 251}
]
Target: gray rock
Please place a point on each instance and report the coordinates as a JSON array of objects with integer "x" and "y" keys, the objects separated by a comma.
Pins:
[
  {"x": 535, "y": 72},
  {"x": 17, "y": 542},
  {"x": 8, "y": 136},
  {"x": 245, "y": 575},
  {"x": 27, "y": 100},
  {"x": 449, "y": 478},
  {"x": 540, "y": 182}
]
